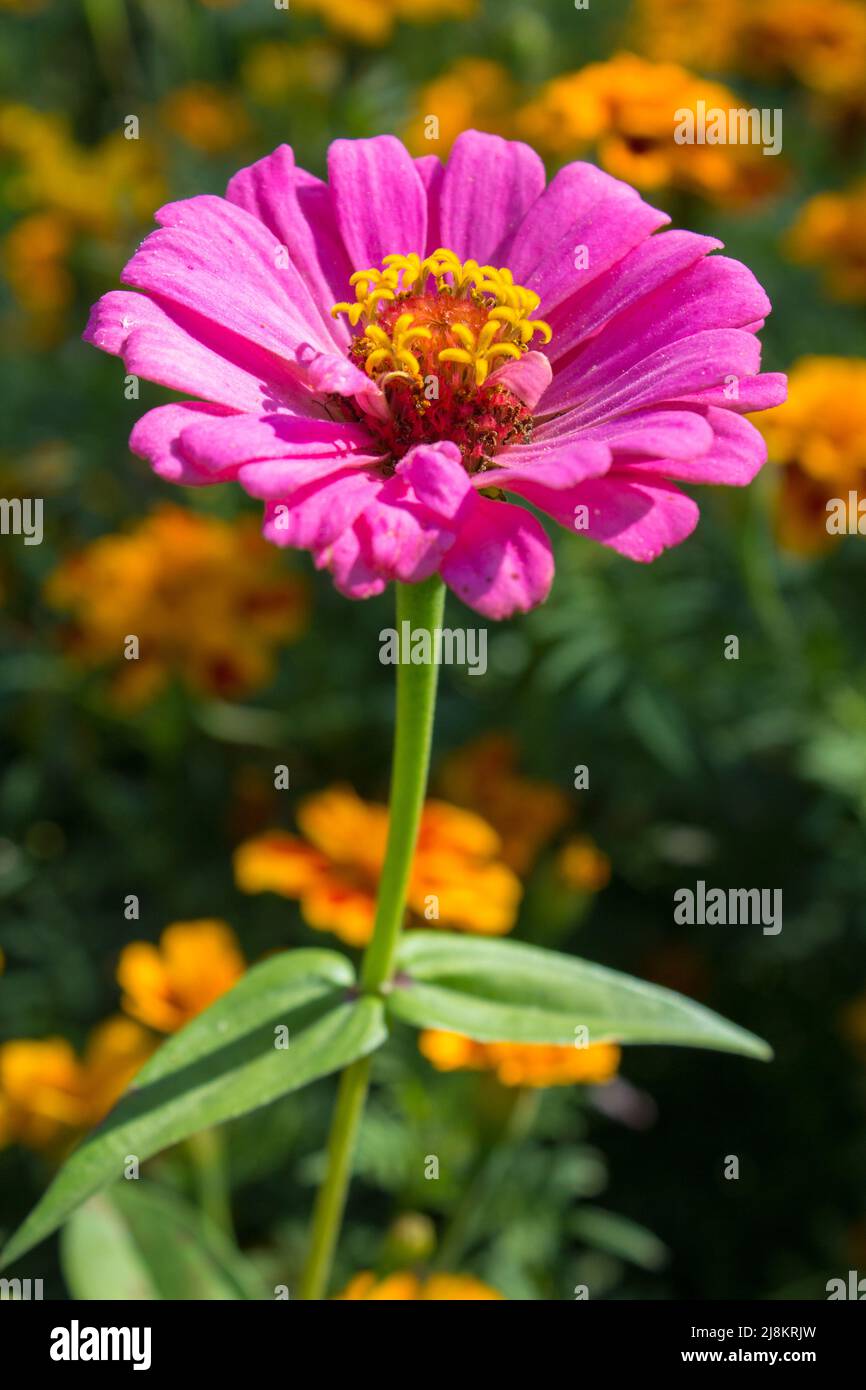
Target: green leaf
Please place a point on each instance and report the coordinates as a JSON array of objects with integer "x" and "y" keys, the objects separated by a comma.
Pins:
[
  {"x": 618, "y": 1235},
  {"x": 505, "y": 991},
  {"x": 223, "y": 1064},
  {"x": 139, "y": 1241}
]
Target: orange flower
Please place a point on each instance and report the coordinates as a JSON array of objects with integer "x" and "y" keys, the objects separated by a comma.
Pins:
[
  {"x": 582, "y": 865},
  {"x": 828, "y": 233},
  {"x": 821, "y": 43},
  {"x": 689, "y": 31},
  {"x": 526, "y": 813},
  {"x": 273, "y": 71},
  {"x": 193, "y": 965},
  {"x": 457, "y": 879},
  {"x": 404, "y": 1286},
  {"x": 818, "y": 438},
  {"x": 626, "y": 107},
  {"x": 373, "y": 21},
  {"x": 48, "y": 1093},
  {"x": 208, "y": 601},
  {"x": 522, "y": 1064},
  {"x": 207, "y": 118},
  {"x": 474, "y": 94}
]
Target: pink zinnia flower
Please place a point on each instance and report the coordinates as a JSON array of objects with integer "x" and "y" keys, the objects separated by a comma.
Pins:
[{"x": 388, "y": 433}]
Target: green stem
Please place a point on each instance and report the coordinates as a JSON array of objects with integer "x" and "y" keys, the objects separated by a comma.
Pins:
[
  {"x": 208, "y": 1154},
  {"x": 421, "y": 606}
]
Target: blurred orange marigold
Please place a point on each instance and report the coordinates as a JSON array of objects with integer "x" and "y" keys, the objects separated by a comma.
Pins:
[
  {"x": 404, "y": 1286},
  {"x": 818, "y": 438},
  {"x": 626, "y": 107},
  {"x": 522, "y": 1064},
  {"x": 167, "y": 985},
  {"x": 209, "y": 601},
  {"x": 48, "y": 1094},
  {"x": 457, "y": 878},
  {"x": 525, "y": 812},
  {"x": 373, "y": 21},
  {"x": 829, "y": 233},
  {"x": 821, "y": 43}
]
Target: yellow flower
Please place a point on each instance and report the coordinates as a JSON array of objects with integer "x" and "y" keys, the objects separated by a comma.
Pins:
[
  {"x": 582, "y": 865},
  {"x": 103, "y": 189},
  {"x": 373, "y": 21},
  {"x": 272, "y": 71},
  {"x": 689, "y": 31},
  {"x": 167, "y": 985},
  {"x": 64, "y": 191},
  {"x": 522, "y": 1064},
  {"x": 208, "y": 601},
  {"x": 818, "y": 438},
  {"x": 206, "y": 117},
  {"x": 48, "y": 1094},
  {"x": 457, "y": 880},
  {"x": 34, "y": 256},
  {"x": 404, "y": 1286},
  {"x": 821, "y": 43},
  {"x": 475, "y": 94},
  {"x": 626, "y": 107},
  {"x": 829, "y": 233},
  {"x": 524, "y": 812}
]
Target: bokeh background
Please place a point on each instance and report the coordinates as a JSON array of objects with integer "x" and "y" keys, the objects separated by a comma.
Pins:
[{"x": 127, "y": 787}]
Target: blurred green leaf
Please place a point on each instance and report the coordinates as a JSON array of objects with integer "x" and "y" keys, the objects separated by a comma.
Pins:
[
  {"x": 138, "y": 1241},
  {"x": 225, "y": 1063},
  {"x": 505, "y": 991},
  {"x": 617, "y": 1235}
]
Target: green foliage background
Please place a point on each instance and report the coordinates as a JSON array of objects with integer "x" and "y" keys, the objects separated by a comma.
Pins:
[{"x": 748, "y": 773}]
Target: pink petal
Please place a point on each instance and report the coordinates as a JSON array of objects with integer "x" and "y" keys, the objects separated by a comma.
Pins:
[
  {"x": 584, "y": 216},
  {"x": 318, "y": 512},
  {"x": 431, "y": 172},
  {"x": 221, "y": 262},
  {"x": 528, "y": 377},
  {"x": 660, "y": 433},
  {"x": 400, "y": 539},
  {"x": 379, "y": 199},
  {"x": 639, "y": 514},
  {"x": 501, "y": 562},
  {"x": 653, "y": 262},
  {"x": 215, "y": 445},
  {"x": 157, "y": 438},
  {"x": 489, "y": 185},
  {"x": 349, "y": 568},
  {"x": 694, "y": 364},
  {"x": 279, "y": 480},
  {"x": 167, "y": 344},
  {"x": 714, "y": 293},
  {"x": 737, "y": 452},
  {"x": 526, "y": 469},
  {"x": 437, "y": 478},
  {"x": 328, "y": 374},
  {"x": 752, "y": 394},
  {"x": 301, "y": 216}
]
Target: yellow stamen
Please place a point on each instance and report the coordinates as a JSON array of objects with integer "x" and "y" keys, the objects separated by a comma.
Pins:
[{"x": 506, "y": 332}]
